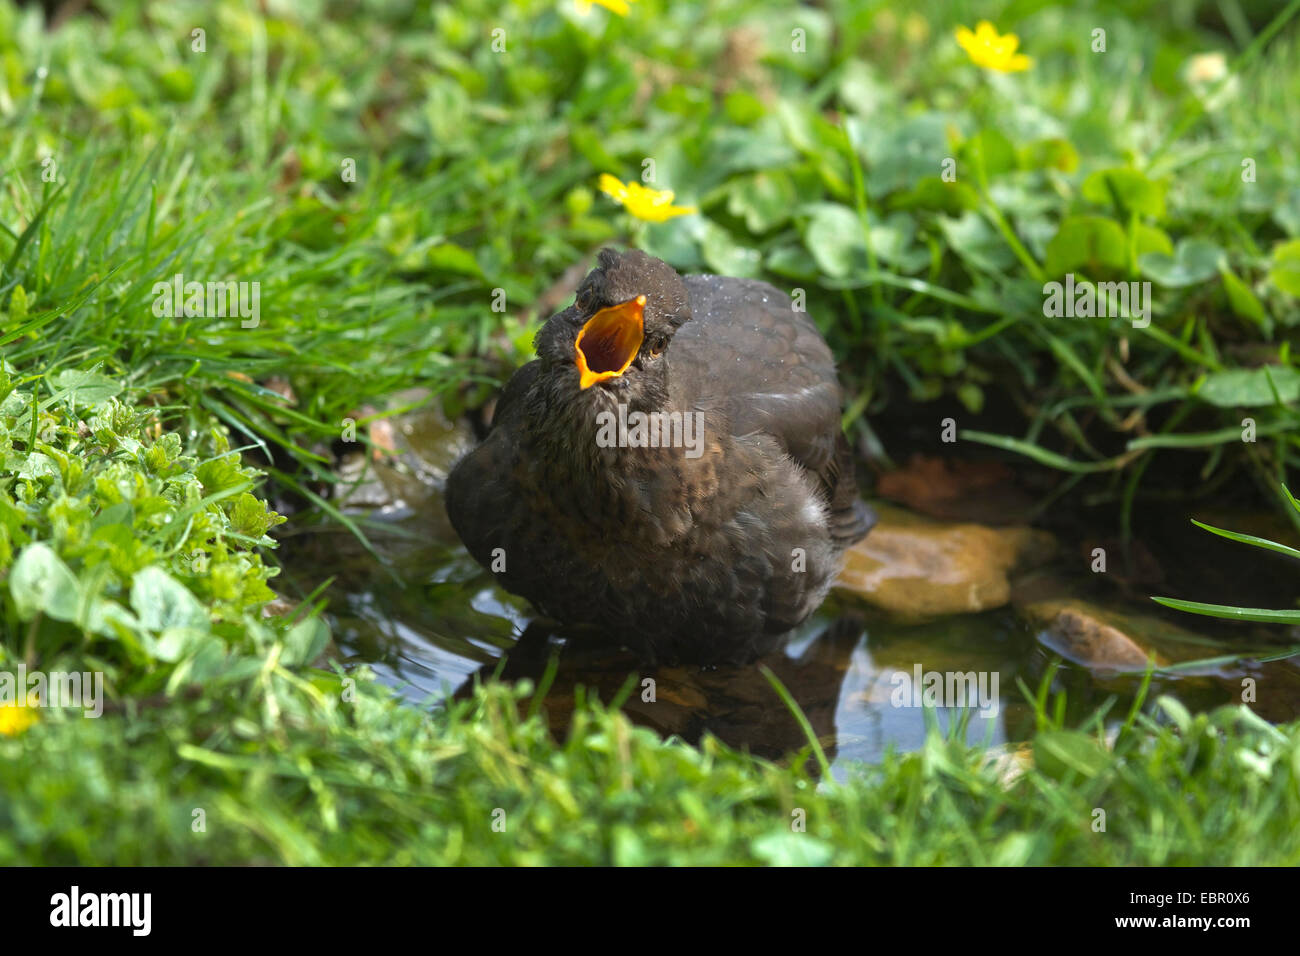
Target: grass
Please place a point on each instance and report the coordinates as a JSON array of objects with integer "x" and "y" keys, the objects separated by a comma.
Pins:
[
  {"x": 475, "y": 172},
  {"x": 135, "y": 541},
  {"x": 216, "y": 779},
  {"x": 1270, "y": 616}
]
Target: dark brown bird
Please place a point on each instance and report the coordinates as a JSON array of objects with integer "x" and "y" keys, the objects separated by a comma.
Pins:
[{"x": 670, "y": 470}]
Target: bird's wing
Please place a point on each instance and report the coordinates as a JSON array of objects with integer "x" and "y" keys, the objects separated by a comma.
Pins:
[
  {"x": 514, "y": 391},
  {"x": 747, "y": 349}
]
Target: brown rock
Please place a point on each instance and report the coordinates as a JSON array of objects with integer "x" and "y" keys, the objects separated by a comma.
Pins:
[
  {"x": 918, "y": 568},
  {"x": 1085, "y": 634}
]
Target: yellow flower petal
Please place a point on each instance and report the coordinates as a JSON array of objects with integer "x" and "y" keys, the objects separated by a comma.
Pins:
[
  {"x": 612, "y": 187},
  {"x": 15, "y": 719},
  {"x": 614, "y": 6},
  {"x": 652, "y": 205},
  {"x": 991, "y": 50}
]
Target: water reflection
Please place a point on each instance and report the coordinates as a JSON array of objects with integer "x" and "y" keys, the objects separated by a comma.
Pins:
[{"x": 430, "y": 622}]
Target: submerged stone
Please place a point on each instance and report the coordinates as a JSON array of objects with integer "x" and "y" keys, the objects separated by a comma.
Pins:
[
  {"x": 1080, "y": 633},
  {"x": 917, "y": 568}
]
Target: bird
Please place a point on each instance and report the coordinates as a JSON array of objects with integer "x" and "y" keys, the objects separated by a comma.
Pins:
[{"x": 669, "y": 474}]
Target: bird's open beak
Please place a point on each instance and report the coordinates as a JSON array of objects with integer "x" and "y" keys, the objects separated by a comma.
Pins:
[{"x": 609, "y": 341}]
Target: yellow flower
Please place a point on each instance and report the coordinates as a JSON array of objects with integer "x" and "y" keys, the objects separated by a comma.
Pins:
[
  {"x": 987, "y": 49},
  {"x": 652, "y": 205},
  {"x": 15, "y": 718},
  {"x": 614, "y": 6}
]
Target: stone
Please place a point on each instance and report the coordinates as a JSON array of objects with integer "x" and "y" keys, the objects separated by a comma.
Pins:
[
  {"x": 1081, "y": 632},
  {"x": 918, "y": 568}
]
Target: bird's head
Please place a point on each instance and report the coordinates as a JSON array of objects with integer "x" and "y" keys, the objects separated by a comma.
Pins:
[{"x": 611, "y": 342}]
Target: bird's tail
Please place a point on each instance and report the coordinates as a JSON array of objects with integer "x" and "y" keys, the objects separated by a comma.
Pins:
[{"x": 850, "y": 517}]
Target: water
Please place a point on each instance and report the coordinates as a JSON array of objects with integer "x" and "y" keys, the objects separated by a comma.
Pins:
[{"x": 430, "y": 622}]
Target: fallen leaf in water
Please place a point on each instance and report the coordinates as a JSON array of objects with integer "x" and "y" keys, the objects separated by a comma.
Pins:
[{"x": 957, "y": 490}]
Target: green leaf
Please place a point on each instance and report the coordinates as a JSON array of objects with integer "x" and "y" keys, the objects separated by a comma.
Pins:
[
  {"x": 1175, "y": 711},
  {"x": 18, "y": 305},
  {"x": 743, "y": 107},
  {"x": 979, "y": 244},
  {"x": 305, "y": 642},
  {"x": 1285, "y": 270},
  {"x": 86, "y": 388},
  {"x": 1152, "y": 239},
  {"x": 1016, "y": 849},
  {"x": 900, "y": 154},
  {"x": 775, "y": 26},
  {"x": 1250, "y": 387},
  {"x": 793, "y": 262},
  {"x": 1243, "y": 301},
  {"x": 109, "y": 618},
  {"x": 204, "y": 658},
  {"x": 591, "y": 144},
  {"x": 40, "y": 582},
  {"x": 893, "y": 240},
  {"x": 834, "y": 237},
  {"x": 177, "y": 642},
  {"x": 220, "y": 474},
  {"x": 1059, "y": 753},
  {"x": 1127, "y": 188},
  {"x": 786, "y": 848},
  {"x": 161, "y": 602},
  {"x": 249, "y": 515},
  {"x": 932, "y": 192},
  {"x": 1286, "y": 211},
  {"x": 1194, "y": 260},
  {"x": 761, "y": 146},
  {"x": 993, "y": 150},
  {"x": 449, "y": 257},
  {"x": 1051, "y": 153},
  {"x": 1093, "y": 243},
  {"x": 764, "y": 200},
  {"x": 38, "y": 465},
  {"x": 859, "y": 89},
  {"x": 725, "y": 255}
]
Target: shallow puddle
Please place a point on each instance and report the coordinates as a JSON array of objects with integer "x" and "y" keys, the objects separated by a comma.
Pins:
[{"x": 429, "y": 621}]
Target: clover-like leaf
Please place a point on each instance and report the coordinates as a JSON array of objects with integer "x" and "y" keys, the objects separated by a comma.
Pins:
[
  {"x": 1194, "y": 260},
  {"x": 161, "y": 602},
  {"x": 834, "y": 237},
  {"x": 1128, "y": 189},
  {"x": 40, "y": 582},
  {"x": 764, "y": 200},
  {"x": 1090, "y": 242}
]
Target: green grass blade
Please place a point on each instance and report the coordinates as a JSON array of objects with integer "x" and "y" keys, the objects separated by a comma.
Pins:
[
  {"x": 1230, "y": 613},
  {"x": 1250, "y": 539}
]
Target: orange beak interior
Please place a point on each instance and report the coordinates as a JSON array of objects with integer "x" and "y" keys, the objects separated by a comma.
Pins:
[{"x": 609, "y": 341}]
